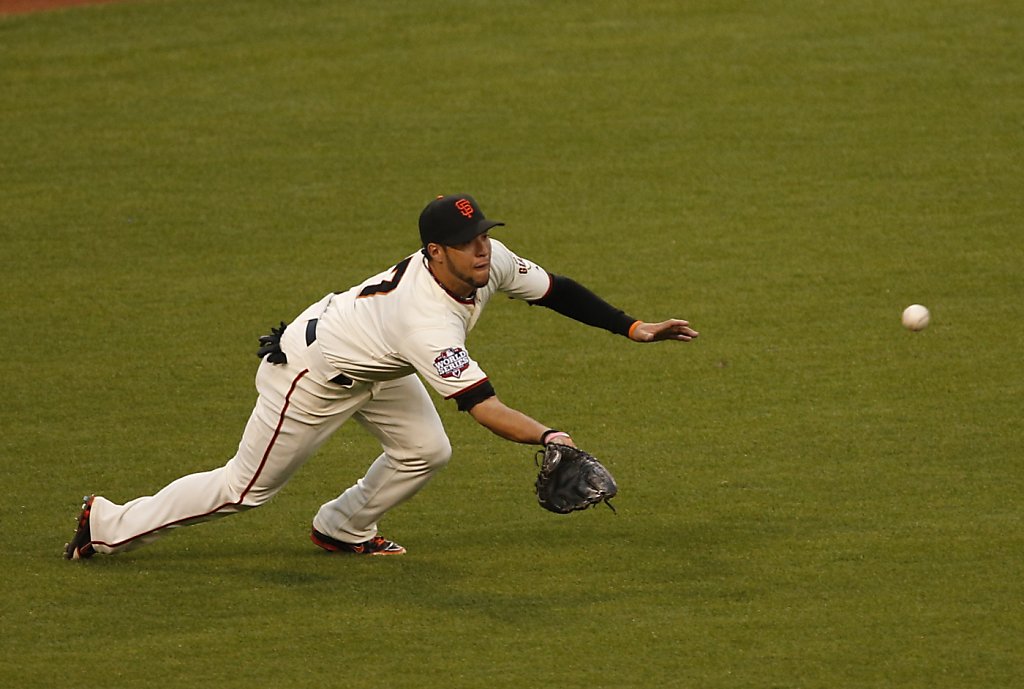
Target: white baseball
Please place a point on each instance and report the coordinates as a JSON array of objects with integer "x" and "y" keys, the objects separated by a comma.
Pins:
[{"x": 916, "y": 317}]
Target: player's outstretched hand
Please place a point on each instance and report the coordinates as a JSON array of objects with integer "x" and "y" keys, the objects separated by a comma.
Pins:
[{"x": 672, "y": 329}]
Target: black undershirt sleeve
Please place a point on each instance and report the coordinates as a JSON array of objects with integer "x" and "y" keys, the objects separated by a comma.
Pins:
[
  {"x": 469, "y": 398},
  {"x": 575, "y": 301}
]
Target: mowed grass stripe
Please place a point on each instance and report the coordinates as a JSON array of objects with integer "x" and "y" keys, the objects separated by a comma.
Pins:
[{"x": 811, "y": 495}]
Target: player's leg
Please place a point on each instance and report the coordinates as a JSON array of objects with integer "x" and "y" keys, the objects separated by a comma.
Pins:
[
  {"x": 293, "y": 416},
  {"x": 402, "y": 417}
]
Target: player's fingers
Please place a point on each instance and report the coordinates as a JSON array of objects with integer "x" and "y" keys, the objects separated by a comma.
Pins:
[{"x": 680, "y": 331}]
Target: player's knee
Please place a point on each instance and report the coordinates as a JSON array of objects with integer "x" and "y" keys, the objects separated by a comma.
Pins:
[
  {"x": 437, "y": 453},
  {"x": 240, "y": 488},
  {"x": 258, "y": 495}
]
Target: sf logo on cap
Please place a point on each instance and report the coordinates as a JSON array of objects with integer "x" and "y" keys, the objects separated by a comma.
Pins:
[{"x": 465, "y": 207}]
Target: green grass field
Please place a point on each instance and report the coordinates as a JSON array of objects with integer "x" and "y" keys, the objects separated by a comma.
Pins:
[{"x": 811, "y": 496}]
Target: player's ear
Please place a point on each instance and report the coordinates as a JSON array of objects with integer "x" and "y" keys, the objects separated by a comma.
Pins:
[{"x": 433, "y": 250}]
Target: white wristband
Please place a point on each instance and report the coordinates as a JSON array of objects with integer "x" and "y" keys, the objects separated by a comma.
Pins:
[{"x": 558, "y": 434}]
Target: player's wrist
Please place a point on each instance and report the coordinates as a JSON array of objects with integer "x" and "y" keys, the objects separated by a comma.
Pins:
[{"x": 551, "y": 434}]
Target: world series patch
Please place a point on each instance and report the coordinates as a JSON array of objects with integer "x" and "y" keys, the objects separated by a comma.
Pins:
[{"x": 452, "y": 362}]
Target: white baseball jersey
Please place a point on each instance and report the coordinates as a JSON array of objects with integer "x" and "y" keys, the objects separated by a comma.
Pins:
[
  {"x": 404, "y": 320},
  {"x": 378, "y": 333}
]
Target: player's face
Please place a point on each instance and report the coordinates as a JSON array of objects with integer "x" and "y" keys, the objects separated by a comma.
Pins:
[{"x": 469, "y": 264}]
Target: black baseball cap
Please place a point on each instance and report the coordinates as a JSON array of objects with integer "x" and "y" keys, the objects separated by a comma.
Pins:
[{"x": 453, "y": 219}]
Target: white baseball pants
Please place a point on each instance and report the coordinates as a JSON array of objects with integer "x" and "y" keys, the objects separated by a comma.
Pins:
[{"x": 297, "y": 410}]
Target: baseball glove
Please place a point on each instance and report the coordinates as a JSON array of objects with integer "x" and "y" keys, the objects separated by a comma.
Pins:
[
  {"x": 270, "y": 346},
  {"x": 571, "y": 479}
]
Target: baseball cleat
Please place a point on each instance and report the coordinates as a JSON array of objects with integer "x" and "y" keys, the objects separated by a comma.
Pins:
[
  {"x": 80, "y": 547},
  {"x": 378, "y": 545}
]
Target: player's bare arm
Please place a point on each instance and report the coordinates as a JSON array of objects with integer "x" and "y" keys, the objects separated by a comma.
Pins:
[{"x": 512, "y": 424}]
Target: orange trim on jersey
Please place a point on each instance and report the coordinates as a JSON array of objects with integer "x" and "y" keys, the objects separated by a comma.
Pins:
[{"x": 632, "y": 328}]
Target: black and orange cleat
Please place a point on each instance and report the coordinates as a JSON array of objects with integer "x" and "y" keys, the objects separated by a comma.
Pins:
[
  {"x": 378, "y": 545},
  {"x": 80, "y": 547}
]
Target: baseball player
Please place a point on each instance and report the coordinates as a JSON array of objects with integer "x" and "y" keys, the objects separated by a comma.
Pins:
[{"x": 364, "y": 354}]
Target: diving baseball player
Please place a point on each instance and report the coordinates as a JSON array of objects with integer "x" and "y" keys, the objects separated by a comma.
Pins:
[{"x": 364, "y": 354}]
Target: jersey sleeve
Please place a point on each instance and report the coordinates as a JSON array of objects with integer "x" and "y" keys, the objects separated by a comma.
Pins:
[
  {"x": 517, "y": 277},
  {"x": 441, "y": 358}
]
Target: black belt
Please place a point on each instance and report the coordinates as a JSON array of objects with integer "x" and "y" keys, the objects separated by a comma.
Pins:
[{"x": 341, "y": 378}]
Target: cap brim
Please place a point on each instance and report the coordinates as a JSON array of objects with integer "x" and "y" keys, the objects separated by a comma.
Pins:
[{"x": 473, "y": 231}]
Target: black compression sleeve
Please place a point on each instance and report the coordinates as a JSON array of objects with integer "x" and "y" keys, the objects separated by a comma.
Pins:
[{"x": 572, "y": 299}]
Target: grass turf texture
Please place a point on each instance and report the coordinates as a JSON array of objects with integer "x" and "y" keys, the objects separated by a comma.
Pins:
[{"x": 811, "y": 496}]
